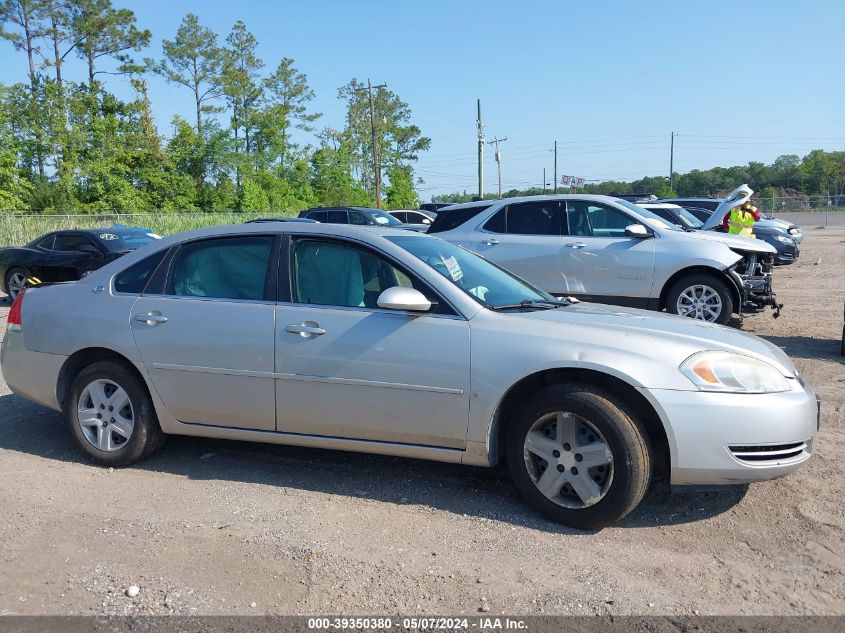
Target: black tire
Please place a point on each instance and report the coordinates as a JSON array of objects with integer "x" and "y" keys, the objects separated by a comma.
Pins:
[
  {"x": 146, "y": 437},
  {"x": 632, "y": 463},
  {"x": 718, "y": 285},
  {"x": 6, "y": 281}
]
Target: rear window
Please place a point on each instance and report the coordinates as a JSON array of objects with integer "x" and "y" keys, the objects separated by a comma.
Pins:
[{"x": 450, "y": 219}]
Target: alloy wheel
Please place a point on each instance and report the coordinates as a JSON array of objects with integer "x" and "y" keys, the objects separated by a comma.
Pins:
[
  {"x": 568, "y": 460},
  {"x": 105, "y": 415},
  {"x": 17, "y": 282},
  {"x": 700, "y": 302}
]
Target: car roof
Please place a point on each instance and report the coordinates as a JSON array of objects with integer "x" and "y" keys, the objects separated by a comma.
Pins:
[
  {"x": 342, "y": 208},
  {"x": 592, "y": 197},
  {"x": 658, "y": 205}
]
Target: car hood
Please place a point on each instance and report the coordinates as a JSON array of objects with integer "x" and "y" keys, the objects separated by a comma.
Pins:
[
  {"x": 662, "y": 335},
  {"x": 735, "y": 242}
]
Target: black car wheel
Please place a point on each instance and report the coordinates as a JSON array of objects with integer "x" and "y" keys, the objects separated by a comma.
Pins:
[{"x": 16, "y": 281}]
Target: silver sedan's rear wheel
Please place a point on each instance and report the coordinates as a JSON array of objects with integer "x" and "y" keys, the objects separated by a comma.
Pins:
[
  {"x": 111, "y": 415},
  {"x": 701, "y": 296},
  {"x": 568, "y": 459},
  {"x": 701, "y": 302},
  {"x": 104, "y": 415},
  {"x": 577, "y": 456}
]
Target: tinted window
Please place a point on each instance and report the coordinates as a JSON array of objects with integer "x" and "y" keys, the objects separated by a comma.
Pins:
[
  {"x": 596, "y": 220},
  {"x": 401, "y": 216},
  {"x": 700, "y": 214},
  {"x": 134, "y": 279},
  {"x": 498, "y": 223},
  {"x": 666, "y": 215},
  {"x": 320, "y": 216},
  {"x": 329, "y": 273},
  {"x": 224, "y": 268},
  {"x": 336, "y": 217},
  {"x": 356, "y": 217},
  {"x": 47, "y": 243},
  {"x": 710, "y": 205},
  {"x": 533, "y": 218},
  {"x": 71, "y": 242},
  {"x": 447, "y": 220}
]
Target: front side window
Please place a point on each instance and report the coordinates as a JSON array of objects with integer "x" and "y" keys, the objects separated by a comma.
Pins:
[
  {"x": 589, "y": 219},
  {"x": 358, "y": 218},
  {"x": 71, "y": 242},
  {"x": 222, "y": 268},
  {"x": 335, "y": 274},
  {"x": 383, "y": 218},
  {"x": 485, "y": 282},
  {"x": 336, "y": 217}
]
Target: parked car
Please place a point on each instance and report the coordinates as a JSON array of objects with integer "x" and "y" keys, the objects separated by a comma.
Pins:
[
  {"x": 434, "y": 207},
  {"x": 609, "y": 250},
  {"x": 361, "y": 216},
  {"x": 787, "y": 248},
  {"x": 703, "y": 209},
  {"x": 260, "y": 220},
  {"x": 392, "y": 342},
  {"x": 66, "y": 255},
  {"x": 421, "y": 219}
]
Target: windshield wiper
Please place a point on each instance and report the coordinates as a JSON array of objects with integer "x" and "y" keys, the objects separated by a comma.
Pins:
[{"x": 533, "y": 304}]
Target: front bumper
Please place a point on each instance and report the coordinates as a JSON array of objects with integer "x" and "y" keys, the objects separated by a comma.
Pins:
[{"x": 723, "y": 438}]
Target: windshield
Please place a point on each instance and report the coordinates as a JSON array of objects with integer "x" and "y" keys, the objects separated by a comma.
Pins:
[
  {"x": 482, "y": 280},
  {"x": 127, "y": 241},
  {"x": 652, "y": 220},
  {"x": 688, "y": 218},
  {"x": 384, "y": 219}
]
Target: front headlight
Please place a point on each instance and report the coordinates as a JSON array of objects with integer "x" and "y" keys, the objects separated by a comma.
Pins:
[
  {"x": 733, "y": 373},
  {"x": 784, "y": 238}
]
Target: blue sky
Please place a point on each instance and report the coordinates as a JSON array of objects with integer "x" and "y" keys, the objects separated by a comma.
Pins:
[{"x": 738, "y": 81}]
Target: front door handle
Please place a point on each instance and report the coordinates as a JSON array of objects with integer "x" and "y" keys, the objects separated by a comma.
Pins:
[
  {"x": 490, "y": 242},
  {"x": 151, "y": 318},
  {"x": 306, "y": 329},
  {"x": 576, "y": 245}
]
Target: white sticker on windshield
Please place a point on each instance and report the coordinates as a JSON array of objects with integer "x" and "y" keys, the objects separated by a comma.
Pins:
[
  {"x": 381, "y": 220},
  {"x": 453, "y": 267},
  {"x": 108, "y": 236}
]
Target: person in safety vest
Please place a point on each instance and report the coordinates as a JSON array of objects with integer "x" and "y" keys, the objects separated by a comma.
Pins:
[{"x": 740, "y": 220}]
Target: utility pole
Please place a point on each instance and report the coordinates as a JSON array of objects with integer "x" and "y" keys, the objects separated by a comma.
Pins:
[
  {"x": 496, "y": 142},
  {"x": 672, "y": 162},
  {"x": 544, "y": 180},
  {"x": 376, "y": 163},
  {"x": 480, "y": 153},
  {"x": 555, "y": 181}
]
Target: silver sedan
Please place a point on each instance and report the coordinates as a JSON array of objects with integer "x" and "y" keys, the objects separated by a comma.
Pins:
[{"x": 403, "y": 344}]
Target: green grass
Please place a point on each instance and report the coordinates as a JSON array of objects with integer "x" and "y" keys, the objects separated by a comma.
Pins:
[{"x": 16, "y": 230}]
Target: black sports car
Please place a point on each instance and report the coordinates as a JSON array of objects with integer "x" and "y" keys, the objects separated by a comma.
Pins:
[{"x": 66, "y": 255}]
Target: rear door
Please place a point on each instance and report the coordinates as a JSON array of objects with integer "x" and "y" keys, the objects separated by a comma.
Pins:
[
  {"x": 526, "y": 239},
  {"x": 599, "y": 260},
  {"x": 205, "y": 334},
  {"x": 347, "y": 368}
]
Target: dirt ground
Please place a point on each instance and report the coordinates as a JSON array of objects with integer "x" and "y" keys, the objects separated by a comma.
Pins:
[{"x": 213, "y": 527}]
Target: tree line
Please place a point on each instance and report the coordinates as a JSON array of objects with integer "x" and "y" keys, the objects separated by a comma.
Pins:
[
  {"x": 68, "y": 144},
  {"x": 819, "y": 173}
]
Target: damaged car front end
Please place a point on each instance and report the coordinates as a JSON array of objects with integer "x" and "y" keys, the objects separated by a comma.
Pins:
[{"x": 752, "y": 276}]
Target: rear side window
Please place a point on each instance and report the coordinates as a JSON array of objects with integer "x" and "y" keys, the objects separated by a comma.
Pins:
[
  {"x": 448, "y": 220},
  {"x": 71, "y": 242},
  {"x": 134, "y": 279},
  {"x": 222, "y": 268},
  {"x": 400, "y": 215},
  {"x": 320, "y": 216},
  {"x": 336, "y": 217}
]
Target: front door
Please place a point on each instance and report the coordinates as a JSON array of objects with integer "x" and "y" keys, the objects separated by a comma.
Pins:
[
  {"x": 600, "y": 261},
  {"x": 207, "y": 339},
  {"x": 525, "y": 238},
  {"x": 347, "y": 368}
]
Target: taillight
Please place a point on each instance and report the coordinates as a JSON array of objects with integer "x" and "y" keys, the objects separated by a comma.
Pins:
[{"x": 13, "y": 321}]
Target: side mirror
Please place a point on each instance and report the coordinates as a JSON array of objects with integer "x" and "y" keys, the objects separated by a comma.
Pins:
[
  {"x": 403, "y": 298},
  {"x": 637, "y": 230}
]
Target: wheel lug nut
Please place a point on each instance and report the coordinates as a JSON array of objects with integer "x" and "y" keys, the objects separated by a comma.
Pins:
[
  {"x": 556, "y": 453},
  {"x": 574, "y": 470},
  {"x": 99, "y": 416},
  {"x": 111, "y": 408},
  {"x": 560, "y": 468},
  {"x": 112, "y": 420},
  {"x": 566, "y": 447},
  {"x": 102, "y": 406},
  {"x": 578, "y": 457}
]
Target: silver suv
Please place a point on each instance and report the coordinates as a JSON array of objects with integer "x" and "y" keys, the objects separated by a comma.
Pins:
[{"x": 609, "y": 250}]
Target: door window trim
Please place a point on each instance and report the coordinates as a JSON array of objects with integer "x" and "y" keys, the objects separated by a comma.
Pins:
[{"x": 448, "y": 309}]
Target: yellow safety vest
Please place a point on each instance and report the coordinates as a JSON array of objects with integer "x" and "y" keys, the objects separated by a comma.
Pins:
[{"x": 741, "y": 223}]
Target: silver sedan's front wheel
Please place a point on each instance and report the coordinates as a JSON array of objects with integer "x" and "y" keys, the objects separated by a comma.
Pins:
[
  {"x": 568, "y": 460},
  {"x": 701, "y": 302},
  {"x": 105, "y": 415}
]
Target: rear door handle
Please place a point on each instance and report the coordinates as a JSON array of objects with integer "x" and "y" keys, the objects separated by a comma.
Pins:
[
  {"x": 576, "y": 245},
  {"x": 307, "y": 329},
  {"x": 151, "y": 318},
  {"x": 490, "y": 242}
]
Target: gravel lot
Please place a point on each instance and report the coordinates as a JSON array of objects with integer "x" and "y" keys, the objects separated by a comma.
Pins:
[{"x": 213, "y": 527}]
